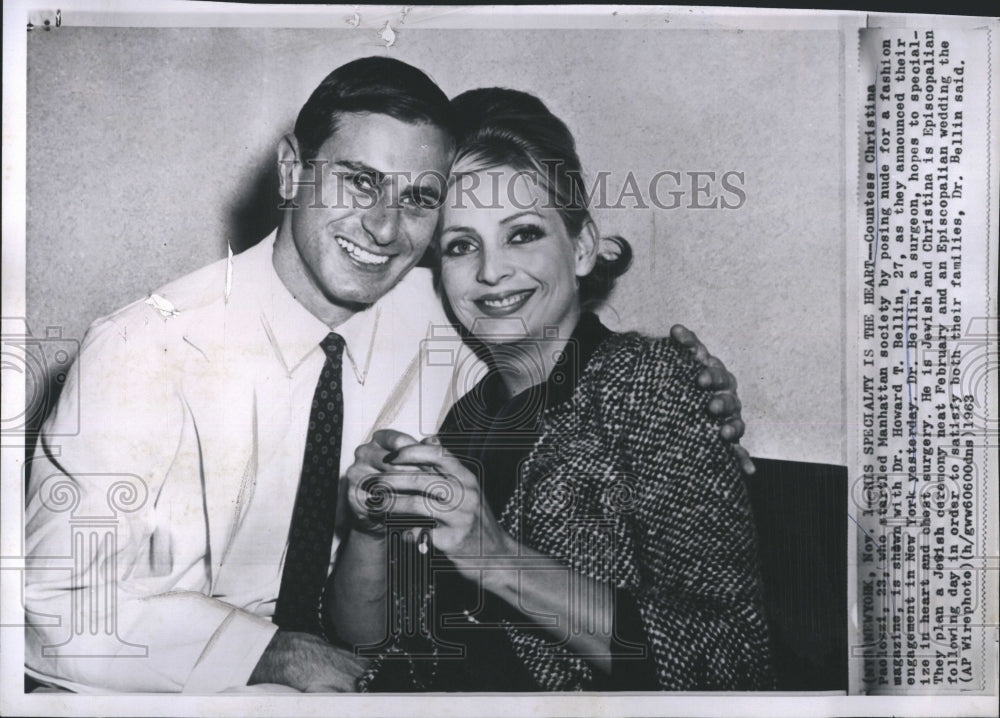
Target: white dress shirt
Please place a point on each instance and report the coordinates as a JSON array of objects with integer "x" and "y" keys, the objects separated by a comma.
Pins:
[{"x": 198, "y": 398}]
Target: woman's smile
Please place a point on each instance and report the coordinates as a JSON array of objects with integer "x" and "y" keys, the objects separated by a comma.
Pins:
[{"x": 504, "y": 303}]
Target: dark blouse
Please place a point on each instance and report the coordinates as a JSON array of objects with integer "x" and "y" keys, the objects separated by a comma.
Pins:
[
  {"x": 493, "y": 433},
  {"x": 612, "y": 467}
]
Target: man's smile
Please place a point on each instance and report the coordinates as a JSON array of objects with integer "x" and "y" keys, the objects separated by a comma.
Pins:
[{"x": 359, "y": 255}]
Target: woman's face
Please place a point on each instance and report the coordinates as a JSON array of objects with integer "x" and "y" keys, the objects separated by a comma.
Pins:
[{"x": 508, "y": 266}]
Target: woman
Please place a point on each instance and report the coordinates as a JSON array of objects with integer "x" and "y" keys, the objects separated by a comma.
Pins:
[{"x": 592, "y": 530}]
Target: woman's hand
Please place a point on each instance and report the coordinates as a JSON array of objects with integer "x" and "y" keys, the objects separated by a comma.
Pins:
[
  {"x": 356, "y": 600},
  {"x": 364, "y": 490},
  {"x": 423, "y": 479},
  {"x": 426, "y": 480}
]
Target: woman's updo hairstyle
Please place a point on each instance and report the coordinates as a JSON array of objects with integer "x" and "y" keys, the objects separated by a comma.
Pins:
[{"x": 497, "y": 127}]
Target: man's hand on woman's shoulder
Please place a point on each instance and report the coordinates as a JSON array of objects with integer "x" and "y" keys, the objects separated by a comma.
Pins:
[{"x": 725, "y": 404}]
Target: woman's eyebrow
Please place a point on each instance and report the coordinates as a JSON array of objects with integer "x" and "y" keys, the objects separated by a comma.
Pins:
[
  {"x": 518, "y": 215},
  {"x": 459, "y": 228}
]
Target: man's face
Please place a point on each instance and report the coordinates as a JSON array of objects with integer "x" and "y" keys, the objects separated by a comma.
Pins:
[{"x": 375, "y": 209}]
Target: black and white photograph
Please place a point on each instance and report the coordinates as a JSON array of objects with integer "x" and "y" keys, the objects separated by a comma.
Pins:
[{"x": 554, "y": 360}]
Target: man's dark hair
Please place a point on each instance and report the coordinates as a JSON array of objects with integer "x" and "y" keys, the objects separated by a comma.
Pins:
[{"x": 370, "y": 84}]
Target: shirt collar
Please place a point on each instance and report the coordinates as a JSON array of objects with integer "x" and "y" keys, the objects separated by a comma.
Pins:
[
  {"x": 359, "y": 340},
  {"x": 295, "y": 332}
]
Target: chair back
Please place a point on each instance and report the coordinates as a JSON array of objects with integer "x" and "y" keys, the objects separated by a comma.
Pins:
[{"x": 801, "y": 514}]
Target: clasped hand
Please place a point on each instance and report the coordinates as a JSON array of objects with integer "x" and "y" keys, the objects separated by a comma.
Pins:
[{"x": 398, "y": 475}]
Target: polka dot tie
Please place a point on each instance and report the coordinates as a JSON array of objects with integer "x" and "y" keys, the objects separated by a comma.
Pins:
[{"x": 311, "y": 534}]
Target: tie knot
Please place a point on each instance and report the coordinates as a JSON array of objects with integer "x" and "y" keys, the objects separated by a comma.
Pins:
[{"x": 333, "y": 345}]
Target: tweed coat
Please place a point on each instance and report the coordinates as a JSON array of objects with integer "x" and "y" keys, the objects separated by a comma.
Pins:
[{"x": 629, "y": 484}]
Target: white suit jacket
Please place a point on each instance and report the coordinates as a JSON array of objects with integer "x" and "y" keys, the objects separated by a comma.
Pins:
[{"x": 183, "y": 427}]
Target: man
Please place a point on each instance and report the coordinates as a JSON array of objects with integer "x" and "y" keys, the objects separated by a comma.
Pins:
[{"x": 171, "y": 537}]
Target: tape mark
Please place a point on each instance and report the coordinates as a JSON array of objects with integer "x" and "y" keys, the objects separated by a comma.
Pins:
[{"x": 163, "y": 305}]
